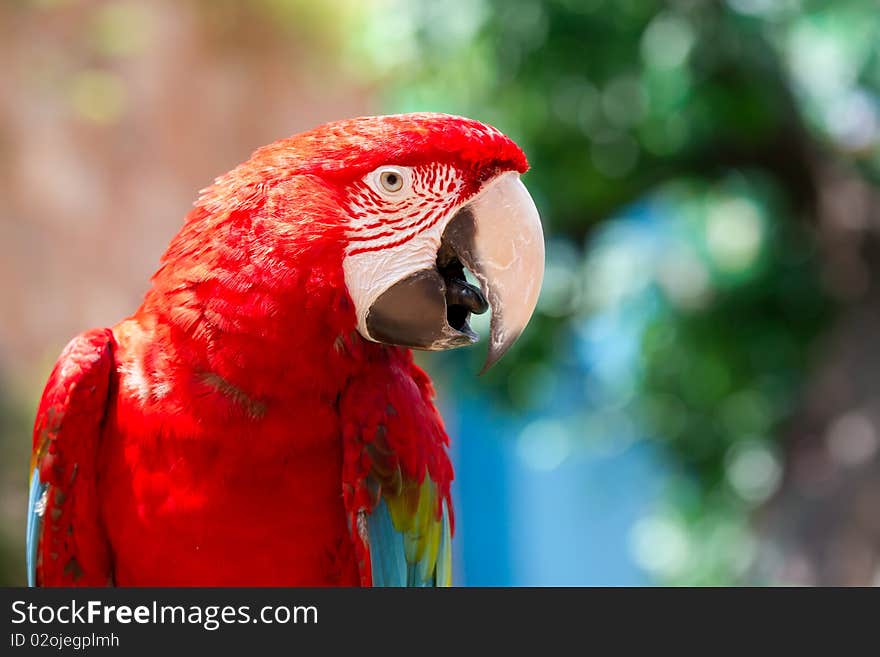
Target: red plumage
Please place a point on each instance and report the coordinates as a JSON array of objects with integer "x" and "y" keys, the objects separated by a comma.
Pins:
[{"x": 228, "y": 432}]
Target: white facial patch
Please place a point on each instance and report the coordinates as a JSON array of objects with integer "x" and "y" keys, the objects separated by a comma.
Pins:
[{"x": 394, "y": 234}]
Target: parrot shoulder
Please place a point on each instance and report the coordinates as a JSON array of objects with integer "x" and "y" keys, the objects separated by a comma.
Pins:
[{"x": 66, "y": 544}]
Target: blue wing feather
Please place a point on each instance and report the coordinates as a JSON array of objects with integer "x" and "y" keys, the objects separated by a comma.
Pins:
[
  {"x": 390, "y": 566},
  {"x": 34, "y": 524},
  {"x": 386, "y": 548}
]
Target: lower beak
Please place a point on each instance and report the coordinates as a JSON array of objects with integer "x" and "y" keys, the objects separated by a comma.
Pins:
[{"x": 498, "y": 237}]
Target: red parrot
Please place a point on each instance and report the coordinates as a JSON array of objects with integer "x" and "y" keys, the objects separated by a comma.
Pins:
[{"x": 259, "y": 419}]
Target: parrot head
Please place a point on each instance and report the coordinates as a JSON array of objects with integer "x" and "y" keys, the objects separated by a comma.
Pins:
[{"x": 416, "y": 199}]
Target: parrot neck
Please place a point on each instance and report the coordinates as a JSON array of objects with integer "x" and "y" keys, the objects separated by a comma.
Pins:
[{"x": 233, "y": 308}]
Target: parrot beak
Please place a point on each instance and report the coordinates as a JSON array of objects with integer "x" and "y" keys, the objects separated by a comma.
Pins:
[{"x": 497, "y": 235}]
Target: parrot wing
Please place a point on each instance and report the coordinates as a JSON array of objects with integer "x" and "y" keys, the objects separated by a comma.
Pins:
[
  {"x": 66, "y": 544},
  {"x": 396, "y": 478}
]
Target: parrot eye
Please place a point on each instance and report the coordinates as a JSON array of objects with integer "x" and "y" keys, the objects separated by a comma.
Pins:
[{"x": 391, "y": 180}]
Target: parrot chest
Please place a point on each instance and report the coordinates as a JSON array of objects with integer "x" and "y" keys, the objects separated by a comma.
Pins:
[{"x": 205, "y": 486}]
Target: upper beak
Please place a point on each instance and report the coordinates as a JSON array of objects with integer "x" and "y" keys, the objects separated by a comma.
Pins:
[{"x": 497, "y": 235}]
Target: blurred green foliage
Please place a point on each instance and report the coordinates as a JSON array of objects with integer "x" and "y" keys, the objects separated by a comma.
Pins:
[{"x": 717, "y": 115}]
